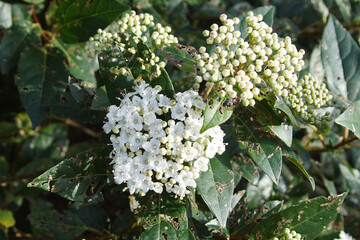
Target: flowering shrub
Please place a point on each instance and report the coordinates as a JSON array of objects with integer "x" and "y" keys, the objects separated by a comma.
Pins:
[{"x": 179, "y": 120}]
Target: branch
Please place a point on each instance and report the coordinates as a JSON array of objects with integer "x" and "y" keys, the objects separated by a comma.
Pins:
[
  {"x": 343, "y": 144},
  {"x": 77, "y": 125}
]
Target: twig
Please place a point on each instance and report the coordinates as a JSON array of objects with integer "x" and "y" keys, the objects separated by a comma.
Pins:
[
  {"x": 343, "y": 144},
  {"x": 72, "y": 123}
]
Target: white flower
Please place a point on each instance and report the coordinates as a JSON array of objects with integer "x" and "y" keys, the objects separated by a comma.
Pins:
[
  {"x": 344, "y": 236},
  {"x": 136, "y": 141},
  {"x": 153, "y": 146},
  {"x": 202, "y": 163},
  {"x": 178, "y": 112},
  {"x": 135, "y": 121}
]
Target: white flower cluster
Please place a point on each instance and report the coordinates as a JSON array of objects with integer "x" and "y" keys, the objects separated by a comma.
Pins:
[
  {"x": 136, "y": 28},
  {"x": 151, "y": 153},
  {"x": 288, "y": 235},
  {"x": 239, "y": 67}
]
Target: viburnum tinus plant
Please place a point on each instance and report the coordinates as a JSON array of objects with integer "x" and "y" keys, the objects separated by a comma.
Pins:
[{"x": 179, "y": 120}]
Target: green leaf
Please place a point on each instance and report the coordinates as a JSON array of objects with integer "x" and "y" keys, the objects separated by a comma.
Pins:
[
  {"x": 216, "y": 187},
  {"x": 340, "y": 55},
  {"x": 284, "y": 132},
  {"x": 165, "y": 82},
  {"x": 351, "y": 118},
  {"x": 163, "y": 218},
  {"x": 281, "y": 105},
  {"x": 42, "y": 73},
  {"x": 115, "y": 84},
  {"x": 345, "y": 9},
  {"x": 316, "y": 67},
  {"x": 77, "y": 178},
  {"x": 22, "y": 34},
  {"x": 246, "y": 167},
  {"x": 76, "y": 105},
  {"x": 101, "y": 100},
  {"x": 180, "y": 58},
  {"x": 57, "y": 225},
  {"x": 7, "y": 218},
  {"x": 308, "y": 218},
  {"x": 265, "y": 151},
  {"x": 77, "y": 21},
  {"x": 80, "y": 66},
  {"x": 292, "y": 157},
  {"x": 214, "y": 115}
]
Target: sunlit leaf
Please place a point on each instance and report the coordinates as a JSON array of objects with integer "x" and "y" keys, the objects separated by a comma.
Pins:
[{"x": 351, "y": 118}]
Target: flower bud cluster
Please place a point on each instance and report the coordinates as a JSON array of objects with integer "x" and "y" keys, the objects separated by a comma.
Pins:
[
  {"x": 306, "y": 96},
  {"x": 157, "y": 141},
  {"x": 133, "y": 28},
  {"x": 239, "y": 68},
  {"x": 288, "y": 235}
]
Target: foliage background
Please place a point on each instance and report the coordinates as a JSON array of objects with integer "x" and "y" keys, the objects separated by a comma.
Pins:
[{"x": 69, "y": 116}]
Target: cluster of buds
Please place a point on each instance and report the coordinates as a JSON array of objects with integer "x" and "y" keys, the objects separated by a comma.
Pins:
[
  {"x": 240, "y": 68},
  {"x": 288, "y": 235},
  {"x": 131, "y": 30},
  {"x": 157, "y": 141},
  {"x": 307, "y": 96}
]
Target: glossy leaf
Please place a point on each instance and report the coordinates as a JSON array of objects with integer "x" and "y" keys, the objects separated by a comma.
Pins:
[
  {"x": 341, "y": 59},
  {"x": 163, "y": 218},
  {"x": 101, "y": 100},
  {"x": 308, "y": 218},
  {"x": 77, "y": 21},
  {"x": 215, "y": 115},
  {"x": 80, "y": 65},
  {"x": 22, "y": 34},
  {"x": 165, "y": 82},
  {"x": 180, "y": 57},
  {"x": 284, "y": 132},
  {"x": 246, "y": 167},
  {"x": 76, "y": 104},
  {"x": 292, "y": 157},
  {"x": 351, "y": 118},
  {"x": 42, "y": 73},
  {"x": 216, "y": 187},
  {"x": 78, "y": 178},
  {"x": 281, "y": 105},
  {"x": 57, "y": 225},
  {"x": 265, "y": 151}
]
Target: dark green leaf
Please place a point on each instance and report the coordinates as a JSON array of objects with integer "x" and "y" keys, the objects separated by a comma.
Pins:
[
  {"x": 281, "y": 105},
  {"x": 42, "y": 73},
  {"x": 215, "y": 115},
  {"x": 57, "y": 225},
  {"x": 163, "y": 218},
  {"x": 179, "y": 57},
  {"x": 115, "y": 84},
  {"x": 265, "y": 151},
  {"x": 284, "y": 132},
  {"x": 76, "y": 105},
  {"x": 101, "y": 100},
  {"x": 308, "y": 218},
  {"x": 165, "y": 82},
  {"x": 245, "y": 166},
  {"x": 292, "y": 157},
  {"x": 92, "y": 216},
  {"x": 78, "y": 178},
  {"x": 351, "y": 118},
  {"x": 77, "y": 21},
  {"x": 22, "y": 34},
  {"x": 340, "y": 55},
  {"x": 216, "y": 187},
  {"x": 80, "y": 66}
]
